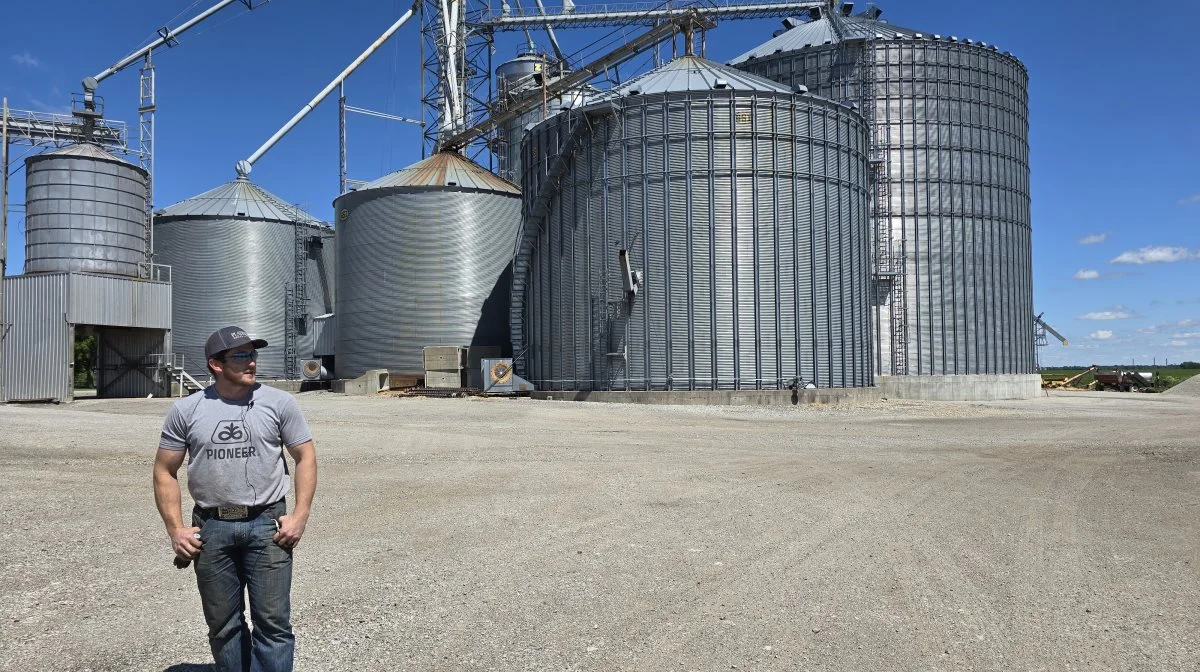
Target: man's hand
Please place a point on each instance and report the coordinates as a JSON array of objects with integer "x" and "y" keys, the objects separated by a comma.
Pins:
[
  {"x": 185, "y": 542},
  {"x": 291, "y": 528}
]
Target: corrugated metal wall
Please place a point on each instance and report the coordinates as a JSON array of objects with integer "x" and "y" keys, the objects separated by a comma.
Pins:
[
  {"x": 512, "y": 133},
  {"x": 84, "y": 214},
  {"x": 956, "y": 132},
  {"x": 324, "y": 335},
  {"x": 36, "y": 339},
  {"x": 119, "y": 302},
  {"x": 417, "y": 267},
  {"x": 234, "y": 271},
  {"x": 133, "y": 320},
  {"x": 747, "y": 214}
]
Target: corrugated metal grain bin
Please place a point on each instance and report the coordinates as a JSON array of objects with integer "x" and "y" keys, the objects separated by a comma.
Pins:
[
  {"x": 739, "y": 206},
  {"x": 238, "y": 254},
  {"x": 423, "y": 259},
  {"x": 85, "y": 210},
  {"x": 951, "y": 123}
]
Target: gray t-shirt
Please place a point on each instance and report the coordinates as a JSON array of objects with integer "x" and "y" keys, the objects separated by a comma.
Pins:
[{"x": 235, "y": 448}]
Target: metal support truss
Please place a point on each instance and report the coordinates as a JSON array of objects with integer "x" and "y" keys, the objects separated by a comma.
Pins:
[
  {"x": 456, "y": 69},
  {"x": 640, "y": 13},
  {"x": 146, "y": 108},
  {"x": 687, "y": 22},
  {"x": 458, "y": 38}
]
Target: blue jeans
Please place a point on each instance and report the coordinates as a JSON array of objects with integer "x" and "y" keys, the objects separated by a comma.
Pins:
[{"x": 241, "y": 557}]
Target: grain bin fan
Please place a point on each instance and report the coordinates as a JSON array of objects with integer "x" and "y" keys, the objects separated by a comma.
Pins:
[
  {"x": 499, "y": 377},
  {"x": 312, "y": 369}
]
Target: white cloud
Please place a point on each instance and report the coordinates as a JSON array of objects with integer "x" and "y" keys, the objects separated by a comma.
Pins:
[
  {"x": 26, "y": 59},
  {"x": 1101, "y": 335},
  {"x": 1118, "y": 314},
  {"x": 1087, "y": 274},
  {"x": 1188, "y": 334},
  {"x": 1190, "y": 200},
  {"x": 1178, "y": 344},
  {"x": 1157, "y": 254},
  {"x": 1092, "y": 239}
]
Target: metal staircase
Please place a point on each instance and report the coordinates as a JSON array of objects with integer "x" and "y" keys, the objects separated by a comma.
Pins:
[
  {"x": 173, "y": 365},
  {"x": 536, "y": 211}
]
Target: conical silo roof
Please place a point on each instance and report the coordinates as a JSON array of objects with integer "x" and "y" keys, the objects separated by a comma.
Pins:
[
  {"x": 239, "y": 199},
  {"x": 692, "y": 73},
  {"x": 445, "y": 169},
  {"x": 84, "y": 150},
  {"x": 822, "y": 31}
]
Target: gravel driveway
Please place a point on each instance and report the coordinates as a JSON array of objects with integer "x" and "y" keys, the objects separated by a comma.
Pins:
[{"x": 488, "y": 534}]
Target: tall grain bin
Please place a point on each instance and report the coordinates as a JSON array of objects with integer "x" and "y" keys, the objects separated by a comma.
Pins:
[
  {"x": 950, "y": 123},
  {"x": 698, "y": 228},
  {"x": 85, "y": 211},
  {"x": 240, "y": 255},
  {"x": 423, "y": 259}
]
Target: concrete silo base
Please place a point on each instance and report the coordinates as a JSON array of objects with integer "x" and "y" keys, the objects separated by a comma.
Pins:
[
  {"x": 717, "y": 397},
  {"x": 921, "y": 388},
  {"x": 960, "y": 388}
]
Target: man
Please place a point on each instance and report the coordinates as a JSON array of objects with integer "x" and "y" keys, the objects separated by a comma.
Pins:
[{"x": 241, "y": 536}]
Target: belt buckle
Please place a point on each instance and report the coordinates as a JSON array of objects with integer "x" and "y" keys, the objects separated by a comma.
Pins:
[{"x": 233, "y": 512}]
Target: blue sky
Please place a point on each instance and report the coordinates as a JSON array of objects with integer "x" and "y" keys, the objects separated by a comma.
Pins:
[{"x": 1114, "y": 132}]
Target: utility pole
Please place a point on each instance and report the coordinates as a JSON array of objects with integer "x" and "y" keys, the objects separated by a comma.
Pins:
[
  {"x": 3, "y": 197},
  {"x": 3, "y": 225}
]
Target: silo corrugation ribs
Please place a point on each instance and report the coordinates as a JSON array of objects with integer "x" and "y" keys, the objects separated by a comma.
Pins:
[
  {"x": 232, "y": 253},
  {"x": 85, "y": 211},
  {"x": 721, "y": 198},
  {"x": 417, "y": 267},
  {"x": 955, "y": 122}
]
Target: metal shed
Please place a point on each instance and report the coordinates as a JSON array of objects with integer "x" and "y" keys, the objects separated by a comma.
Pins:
[{"x": 41, "y": 313}]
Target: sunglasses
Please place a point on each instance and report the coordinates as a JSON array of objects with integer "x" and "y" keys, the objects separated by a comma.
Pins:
[{"x": 242, "y": 357}]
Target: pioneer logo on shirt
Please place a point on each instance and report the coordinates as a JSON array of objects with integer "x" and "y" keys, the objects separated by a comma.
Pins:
[
  {"x": 231, "y": 431},
  {"x": 228, "y": 432}
]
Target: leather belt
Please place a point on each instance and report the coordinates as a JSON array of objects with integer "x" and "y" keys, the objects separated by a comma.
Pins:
[{"x": 242, "y": 512}]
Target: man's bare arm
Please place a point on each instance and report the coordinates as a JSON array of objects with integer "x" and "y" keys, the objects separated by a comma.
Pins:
[{"x": 168, "y": 498}]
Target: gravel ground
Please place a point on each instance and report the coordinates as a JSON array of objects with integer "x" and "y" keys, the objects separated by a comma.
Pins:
[
  {"x": 1188, "y": 388},
  {"x": 1054, "y": 534}
]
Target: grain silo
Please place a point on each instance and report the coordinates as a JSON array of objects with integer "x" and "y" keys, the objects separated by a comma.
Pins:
[
  {"x": 697, "y": 228},
  {"x": 527, "y": 75},
  {"x": 87, "y": 274},
  {"x": 240, "y": 255},
  {"x": 951, "y": 149},
  {"x": 85, "y": 212},
  {"x": 423, "y": 259}
]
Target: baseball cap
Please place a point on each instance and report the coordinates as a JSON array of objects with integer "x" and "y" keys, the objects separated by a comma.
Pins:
[{"x": 227, "y": 338}]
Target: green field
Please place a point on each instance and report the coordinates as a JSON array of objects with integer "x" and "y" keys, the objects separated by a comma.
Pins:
[{"x": 1165, "y": 376}]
